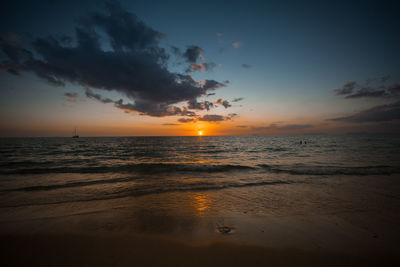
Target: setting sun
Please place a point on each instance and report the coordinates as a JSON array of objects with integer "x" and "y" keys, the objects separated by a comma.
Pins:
[{"x": 200, "y": 133}]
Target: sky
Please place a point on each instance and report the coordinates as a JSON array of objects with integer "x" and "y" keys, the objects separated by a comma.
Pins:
[{"x": 138, "y": 68}]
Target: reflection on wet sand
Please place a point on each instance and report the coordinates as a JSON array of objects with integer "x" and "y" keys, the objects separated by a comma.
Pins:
[{"x": 201, "y": 202}]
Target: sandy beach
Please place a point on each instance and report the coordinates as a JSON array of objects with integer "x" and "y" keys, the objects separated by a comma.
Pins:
[
  {"x": 181, "y": 229},
  {"x": 131, "y": 250}
]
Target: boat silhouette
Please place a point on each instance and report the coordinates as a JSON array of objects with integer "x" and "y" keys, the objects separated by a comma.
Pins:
[{"x": 75, "y": 134}]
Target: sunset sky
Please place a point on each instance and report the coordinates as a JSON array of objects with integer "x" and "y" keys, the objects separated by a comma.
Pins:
[{"x": 133, "y": 68}]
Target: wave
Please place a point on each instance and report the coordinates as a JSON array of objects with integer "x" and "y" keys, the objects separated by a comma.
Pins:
[
  {"x": 149, "y": 190},
  {"x": 127, "y": 168},
  {"x": 329, "y": 170},
  {"x": 69, "y": 185},
  {"x": 153, "y": 168}
]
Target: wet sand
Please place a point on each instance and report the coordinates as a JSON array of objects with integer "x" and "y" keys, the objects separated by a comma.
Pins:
[
  {"x": 271, "y": 225},
  {"x": 136, "y": 250}
]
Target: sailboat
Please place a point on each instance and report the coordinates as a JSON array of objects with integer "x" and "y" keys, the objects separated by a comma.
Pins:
[{"x": 75, "y": 134}]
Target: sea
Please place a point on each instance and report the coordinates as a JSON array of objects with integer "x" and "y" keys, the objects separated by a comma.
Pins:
[{"x": 41, "y": 171}]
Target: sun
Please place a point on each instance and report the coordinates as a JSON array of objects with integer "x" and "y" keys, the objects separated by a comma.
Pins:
[{"x": 200, "y": 133}]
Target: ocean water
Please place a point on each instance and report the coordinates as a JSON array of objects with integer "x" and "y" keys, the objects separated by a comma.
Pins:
[{"x": 48, "y": 171}]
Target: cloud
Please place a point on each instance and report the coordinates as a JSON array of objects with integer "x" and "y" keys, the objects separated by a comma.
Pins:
[
  {"x": 13, "y": 71},
  {"x": 193, "y": 104},
  {"x": 367, "y": 92},
  {"x": 380, "y": 113},
  {"x": 136, "y": 66},
  {"x": 176, "y": 51},
  {"x": 226, "y": 81},
  {"x": 208, "y": 118},
  {"x": 225, "y": 103},
  {"x": 210, "y": 94},
  {"x": 89, "y": 94},
  {"x": 376, "y": 89},
  {"x": 246, "y": 66},
  {"x": 192, "y": 53},
  {"x": 236, "y": 44},
  {"x": 201, "y": 67},
  {"x": 186, "y": 120},
  {"x": 153, "y": 109},
  {"x": 216, "y": 118},
  {"x": 170, "y": 124},
  {"x": 219, "y": 34},
  {"x": 347, "y": 88},
  {"x": 212, "y": 85},
  {"x": 242, "y": 126},
  {"x": 237, "y": 99},
  {"x": 212, "y": 118},
  {"x": 71, "y": 97}
]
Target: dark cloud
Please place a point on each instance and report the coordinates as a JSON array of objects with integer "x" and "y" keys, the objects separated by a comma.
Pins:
[
  {"x": 212, "y": 85},
  {"x": 192, "y": 53},
  {"x": 13, "y": 71},
  {"x": 347, "y": 88},
  {"x": 193, "y": 104},
  {"x": 10, "y": 45},
  {"x": 136, "y": 66},
  {"x": 201, "y": 67},
  {"x": 226, "y": 82},
  {"x": 375, "y": 89},
  {"x": 208, "y": 118},
  {"x": 186, "y": 120},
  {"x": 71, "y": 97},
  {"x": 212, "y": 118},
  {"x": 153, "y": 109},
  {"x": 216, "y": 118},
  {"x": 367, "y": 92},
  {"x": 381, "y": 113},
  {"x": 242, "y": 126},
  {"x": 90, "y": 94},
  {"x": 225, "y": 103},
  {"x": 381, "y": 79},
  {"x": 170, "y": 124},
  {"x": 237, "y": 99},
  {"x": 125, "y": 30},
  {"x": 210, "y": 94},
  {"x": 246, "y": 66},
  {"x": 176, "y": 51}
]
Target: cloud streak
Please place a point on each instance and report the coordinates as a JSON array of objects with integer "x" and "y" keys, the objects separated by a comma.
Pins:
[
  {"x": 71, "y": 97},
  {"x": 209, "y": 118},
  {"x": 352, "y": 90},
  {"x": 382, "y": 113}
]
